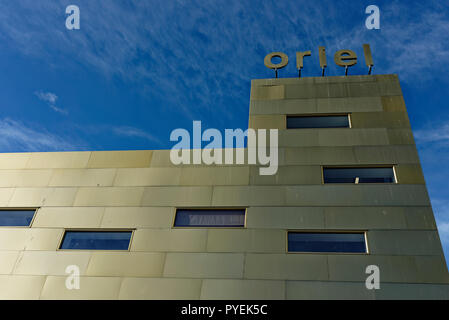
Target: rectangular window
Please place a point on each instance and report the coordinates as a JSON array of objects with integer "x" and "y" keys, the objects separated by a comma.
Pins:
[
  {"x": 326, "y": 242},
  {"x": 210, "y": 218},
  {"x": 16, "y": 218},
  {"x": 318, "y": 121},
  {"x": 359, "y": 175},
  {"x": 96, "y": 240}
]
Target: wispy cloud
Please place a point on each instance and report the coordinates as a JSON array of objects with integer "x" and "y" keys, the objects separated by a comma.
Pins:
[
  {"x": 47, "y": 96},
  {"x": 196, "y": 55},
  {"x": 413, "y": 39},
  {"x": 443, "y": 229},
  {"x": 16, "y": 137},
  {"x": 441, "y": 211},
  {"x": 437, "y": 134},
  {"x": 433, "y": 145},
  {"x": 117, "y": 131},
  {"x": 135, "y": 132},
  {"x": 50, "y": 98}
]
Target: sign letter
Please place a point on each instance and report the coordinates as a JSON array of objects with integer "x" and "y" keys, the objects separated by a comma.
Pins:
[
  {"x": 345, "y": 58},
  {"x": 280, "y": 65},
  {"x": 323, "y": 59}
]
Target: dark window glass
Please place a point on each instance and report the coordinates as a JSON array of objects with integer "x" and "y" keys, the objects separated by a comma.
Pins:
[
  {"x": 364, "y": 175},
  {"x": 326, "y": 242},
  {"x": 96, "y": 240},
  {"x": 210, "y": 218},
  {"x": 303, "y": 122},
  {"x": 16, "y": 218}
]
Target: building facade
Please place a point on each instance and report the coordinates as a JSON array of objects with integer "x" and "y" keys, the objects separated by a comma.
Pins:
[{"x": 349, "y": 193}]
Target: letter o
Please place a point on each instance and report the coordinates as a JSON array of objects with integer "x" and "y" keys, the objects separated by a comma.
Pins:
[{"x": 280, "y": 65}]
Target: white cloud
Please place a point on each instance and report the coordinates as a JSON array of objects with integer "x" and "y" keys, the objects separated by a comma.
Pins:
[
  {"x": 434, "y": 139},
  {"x": 55, "y": 108},
  {"x": 134, "y": 132},
  {"x": 441, "y": 211},
  {"x": 17, "y": 137},
  {"x": 438, "y": 134},
  {"x": 443, "y": 229},
  {"x": 201, "y": 54},
  {"x": 413, "y": 40},
  {"x": 47, "y": 96},
  {"x": 50, "y": 98},
  {"x": 117, "y": 130}
]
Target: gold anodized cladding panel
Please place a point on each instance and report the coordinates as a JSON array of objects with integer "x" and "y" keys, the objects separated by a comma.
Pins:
[
  {"x": 120, "y": 159},
  {"x": 141, "y": 190}
]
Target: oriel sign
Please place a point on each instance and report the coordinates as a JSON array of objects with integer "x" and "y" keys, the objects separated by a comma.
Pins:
[{"x": 343, "y": 58}]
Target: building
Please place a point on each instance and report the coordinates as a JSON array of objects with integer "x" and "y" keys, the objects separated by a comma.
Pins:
[{"x": 349, "y": 193}]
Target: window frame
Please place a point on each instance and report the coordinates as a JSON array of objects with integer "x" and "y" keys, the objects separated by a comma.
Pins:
[
  {"x": 345, "y": 231},
  {"x": 36, "y": 209},
  {"x": 209, "y": 208},
  {"x": 62, "y": 236},
  {"x": 348, "y": 114},
  {"x": 393, "y": 166}
]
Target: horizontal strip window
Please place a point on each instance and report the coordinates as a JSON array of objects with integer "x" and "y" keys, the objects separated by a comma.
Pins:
[
  {"x": 318, "y": 121},
  {"x": 210, "y": 218},
  {"x": 359, "y": 175},
  {"x": 327, "y": 242},
  {"x": 96, "y": 240},
  {"x": 16, "y": 218}
]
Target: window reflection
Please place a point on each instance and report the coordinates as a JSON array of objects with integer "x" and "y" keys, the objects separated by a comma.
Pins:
[
  {"x": 210, "y": 218},
  {"x": 16, "y": 218},
  {"x": 304, "y": 122},
  {"x": 326, "y": 242},
  {"x": 358, "y": 175},
  {"x": 96, "y": 240}
]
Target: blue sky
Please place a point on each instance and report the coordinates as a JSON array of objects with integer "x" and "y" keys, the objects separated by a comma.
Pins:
[{"x": 136, "y": 70}]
